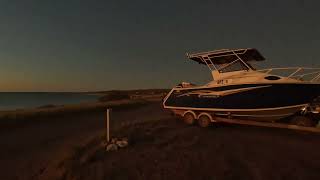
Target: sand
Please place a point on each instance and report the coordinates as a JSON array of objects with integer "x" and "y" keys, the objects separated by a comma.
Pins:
[{"x": 67, "y": 146}]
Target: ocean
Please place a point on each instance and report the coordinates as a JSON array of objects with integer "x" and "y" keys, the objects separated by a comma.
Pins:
[{"x": 20, "y": 100}]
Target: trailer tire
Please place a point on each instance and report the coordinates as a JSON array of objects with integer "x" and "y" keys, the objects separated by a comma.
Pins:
[
  {"x": 189, "y": 118},
  {"x": 303, "y": 121},
  {"x": 204, "y": 121}
]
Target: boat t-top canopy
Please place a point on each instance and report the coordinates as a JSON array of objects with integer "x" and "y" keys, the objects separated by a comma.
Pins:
[{"x": 225, "y": 56}]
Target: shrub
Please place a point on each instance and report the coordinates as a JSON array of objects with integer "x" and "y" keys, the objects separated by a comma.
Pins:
[{"x": 114, "y": 95}]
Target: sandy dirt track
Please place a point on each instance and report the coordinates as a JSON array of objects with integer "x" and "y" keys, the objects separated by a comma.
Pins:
[
  {"x": 160, "y": 148},
  {"x": 168, "y": 149},
  {"x": 30, "y": 150}
]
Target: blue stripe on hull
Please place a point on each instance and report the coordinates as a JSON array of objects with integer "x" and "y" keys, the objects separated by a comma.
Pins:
[{"x": 265, "y": 96}]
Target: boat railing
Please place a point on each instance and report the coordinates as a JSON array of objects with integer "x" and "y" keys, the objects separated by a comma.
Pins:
[{"x": 300, "y": 73}]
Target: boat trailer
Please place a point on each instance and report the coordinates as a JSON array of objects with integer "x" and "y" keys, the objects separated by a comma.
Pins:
[{"x": 204, "y": 119}]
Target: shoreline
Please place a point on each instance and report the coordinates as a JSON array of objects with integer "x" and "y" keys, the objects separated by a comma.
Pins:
[
  {"x": 94, "y": 98},
  {"x": 30, "y": 112},
  {"x": 12, "y": 120},
  {"x": 20, "y": 101}
]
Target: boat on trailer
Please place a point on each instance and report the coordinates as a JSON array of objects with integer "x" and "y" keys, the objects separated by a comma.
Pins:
[{"x": 240, "y": 91}]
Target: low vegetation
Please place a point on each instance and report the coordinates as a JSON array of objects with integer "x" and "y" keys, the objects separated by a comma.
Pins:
[{"x": 114, "y": 95}]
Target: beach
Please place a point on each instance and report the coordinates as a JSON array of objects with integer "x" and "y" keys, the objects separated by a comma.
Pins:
[
  {"x": 27, "y": 100},
  {"x": 68, "y": 146}
]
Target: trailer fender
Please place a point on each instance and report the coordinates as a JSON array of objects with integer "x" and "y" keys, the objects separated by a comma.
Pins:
[
  {"x": 193, "y": 113},
  {"x": 208, "y": 115}
]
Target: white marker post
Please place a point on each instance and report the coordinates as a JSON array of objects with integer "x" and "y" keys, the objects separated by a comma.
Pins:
[{"x": 107, "y": 125}]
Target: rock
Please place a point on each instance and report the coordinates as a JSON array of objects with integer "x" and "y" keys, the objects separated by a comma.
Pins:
[
  {"x": 115, "y": 144},
  {"x": 111, "y": 147},
  {"x": 122, "y": 143},
  {"x": 114, "y": 140}
]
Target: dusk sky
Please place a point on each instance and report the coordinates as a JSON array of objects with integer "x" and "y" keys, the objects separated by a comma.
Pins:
[{"x": 78, "y": 45}]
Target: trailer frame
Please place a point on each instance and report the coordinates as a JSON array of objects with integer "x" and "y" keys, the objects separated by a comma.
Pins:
[{"x": 231, "y": 120}]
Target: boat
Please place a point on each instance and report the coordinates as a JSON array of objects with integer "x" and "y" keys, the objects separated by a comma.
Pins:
[{"x": 242, "y": 91}]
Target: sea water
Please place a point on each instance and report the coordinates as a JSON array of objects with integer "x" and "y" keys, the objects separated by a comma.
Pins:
[{"x": 20, "y": 100}]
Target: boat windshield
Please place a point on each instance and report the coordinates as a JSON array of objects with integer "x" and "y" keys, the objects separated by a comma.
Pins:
[
  {"x": 234, "y": 66},
  {"x": 251, "y": 66}
]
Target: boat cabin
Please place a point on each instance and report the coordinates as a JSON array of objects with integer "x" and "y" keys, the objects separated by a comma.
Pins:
[{"x": 233, "y": 66}]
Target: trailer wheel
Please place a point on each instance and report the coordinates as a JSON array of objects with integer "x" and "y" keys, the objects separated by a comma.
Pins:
[
  {"x": 303, "y": 121},
  {"x": 204, "y": 121},
  {"x": 189, "y": 118}
]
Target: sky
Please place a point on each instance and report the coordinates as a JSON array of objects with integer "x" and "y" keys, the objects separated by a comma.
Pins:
[{"x": 90, "y": 45}]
